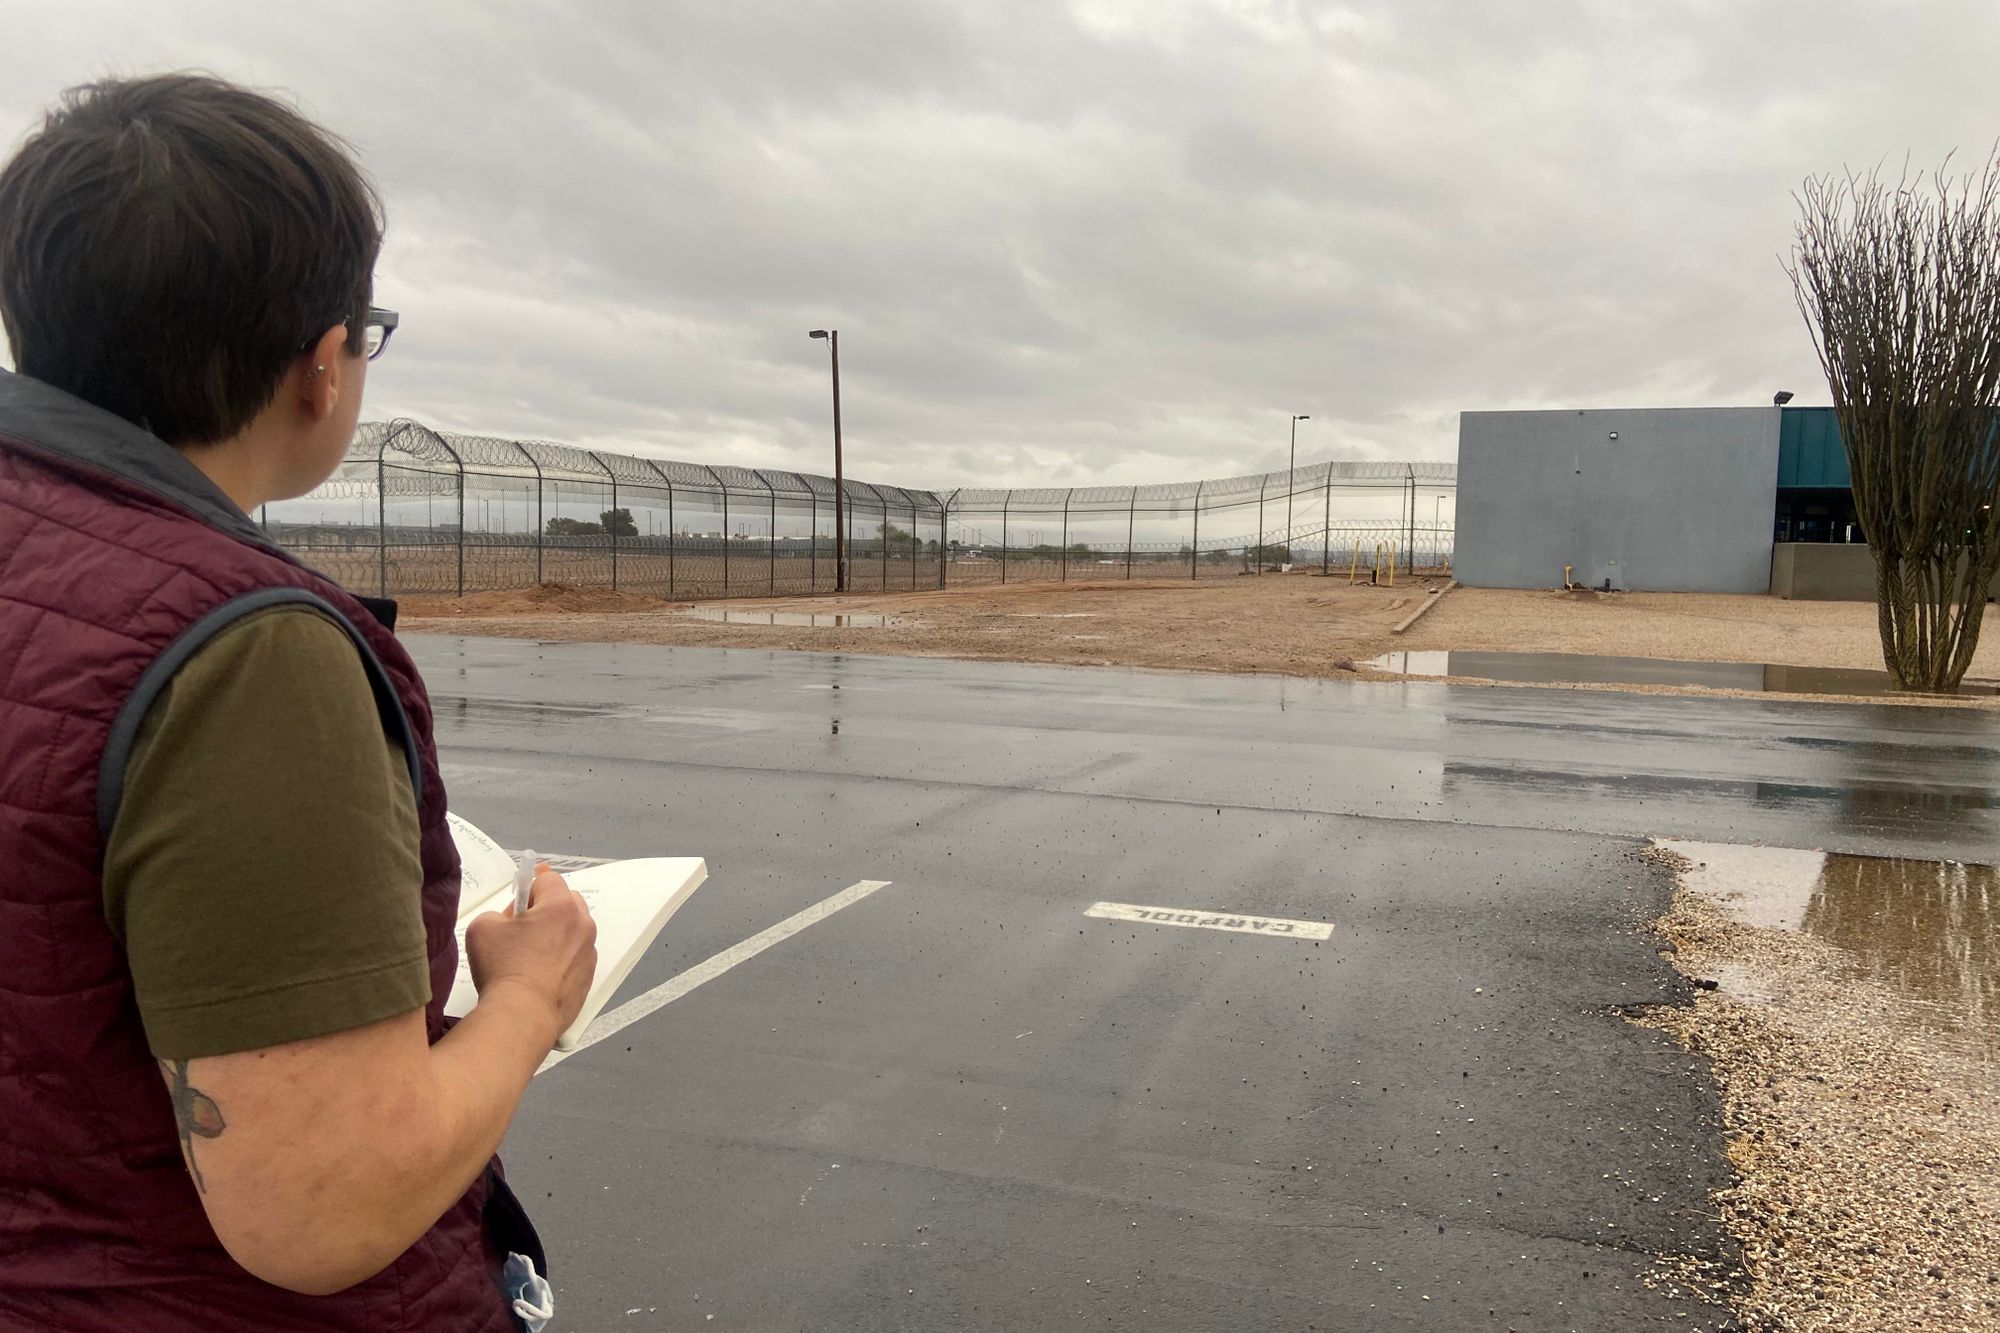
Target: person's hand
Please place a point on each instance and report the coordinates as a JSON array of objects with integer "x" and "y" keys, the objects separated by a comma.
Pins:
[{"x": 550, "y": 950}]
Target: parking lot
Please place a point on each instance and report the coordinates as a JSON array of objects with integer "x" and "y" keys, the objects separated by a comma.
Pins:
[{"x": 960, "y": 1101}]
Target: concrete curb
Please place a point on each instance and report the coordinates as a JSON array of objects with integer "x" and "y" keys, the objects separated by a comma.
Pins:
[{"x": 1425, "y": 609}]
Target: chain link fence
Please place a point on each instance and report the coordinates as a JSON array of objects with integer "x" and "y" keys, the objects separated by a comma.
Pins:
[
  {"x": 1329, "y": 517},
  {"x": 414, "y": 510}
]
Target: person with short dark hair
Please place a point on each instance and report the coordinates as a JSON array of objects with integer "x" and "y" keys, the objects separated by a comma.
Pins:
[{"x": 229, "y": 1097}]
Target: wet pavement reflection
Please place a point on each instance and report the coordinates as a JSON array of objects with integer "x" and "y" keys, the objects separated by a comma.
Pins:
[
  {"x": 1929, "y": 929},
  {"x": 1584, "y": 669},
  {"x": 740, "y": 615},
  {"x": 1928, "y": 932}
]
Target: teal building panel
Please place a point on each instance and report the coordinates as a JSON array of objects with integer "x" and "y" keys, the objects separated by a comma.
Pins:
[{"x": 1810, "y": 452}]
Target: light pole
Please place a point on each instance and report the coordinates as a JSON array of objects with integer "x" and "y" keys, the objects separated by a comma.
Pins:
[
  {"x": 839, "y": 485},
  {"x": 1289, "y": 487}
]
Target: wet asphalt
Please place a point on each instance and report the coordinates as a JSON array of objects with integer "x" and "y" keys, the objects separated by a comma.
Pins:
[{"x": 961, "y": 1103}]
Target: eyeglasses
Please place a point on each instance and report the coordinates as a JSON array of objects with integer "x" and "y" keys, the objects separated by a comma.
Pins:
[
  {"x": 375, "y": 330},
  {"x": 376, "y": 326}
]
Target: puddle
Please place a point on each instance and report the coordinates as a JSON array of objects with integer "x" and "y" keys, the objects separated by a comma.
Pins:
[
  {"x": 1927, "y": 931},
  {"x": 1581, "y": 668},
  {"x": 742, "y": 615},
  {"x": 461, "y": 707}
]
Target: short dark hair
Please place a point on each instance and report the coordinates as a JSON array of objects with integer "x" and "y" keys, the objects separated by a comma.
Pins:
[{"x": 168, "y": 246}]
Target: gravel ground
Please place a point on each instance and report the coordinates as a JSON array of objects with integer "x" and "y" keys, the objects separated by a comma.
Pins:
[
  {"x": 1693, "y": 627},
  {"x": 1865, "y": 1131}
]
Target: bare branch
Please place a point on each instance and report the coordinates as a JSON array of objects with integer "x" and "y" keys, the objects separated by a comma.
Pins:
[{"x": 1899, "y": 286}]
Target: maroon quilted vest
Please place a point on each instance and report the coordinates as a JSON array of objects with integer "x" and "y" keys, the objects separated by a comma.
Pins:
[{"x": 117, "y": 560}]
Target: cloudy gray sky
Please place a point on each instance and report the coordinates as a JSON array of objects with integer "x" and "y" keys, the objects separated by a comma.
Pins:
[{"x": 1066, "y": 243}]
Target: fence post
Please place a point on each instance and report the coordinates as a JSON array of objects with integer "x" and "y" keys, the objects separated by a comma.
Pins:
[
  {"x": 1411, "y": 546},
  {"x": 670, "y": 521},
  {"x": 1006, "y": 498},
  {"x": 1326, "y": 522},
  {"x": 1131, "y": 519},
  {"x": 381, "y": 524},
  {"x": 722, "y": 486},
  {"x": 883, "y": 500},
  {"x": 771, "y": 539},
  {"x": 673, "y": 538},
  {"x": 1194, "y": 547},
  {"x": 610, "y": 523},
  {"x": 536, "y": 465},
  {"x": 458, "y": 471},
  {"x": 461, "y": 529},
  {"x": 1257, "y": 566},
  {"x": 944, "y": 537},
  {"x": 812, "y": 547},
  {"x": 1065, "y": 537}
]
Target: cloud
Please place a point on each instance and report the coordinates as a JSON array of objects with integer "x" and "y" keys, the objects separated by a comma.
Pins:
[{"x": 1107, "y": 241}]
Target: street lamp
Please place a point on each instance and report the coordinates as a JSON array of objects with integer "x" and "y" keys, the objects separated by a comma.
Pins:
[
  {"x": 1290, "y": 482},
  {"x": 839, "y": 485}
]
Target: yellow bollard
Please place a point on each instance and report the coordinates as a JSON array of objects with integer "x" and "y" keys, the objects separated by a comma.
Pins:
[{"x": 1392, "y": 564}]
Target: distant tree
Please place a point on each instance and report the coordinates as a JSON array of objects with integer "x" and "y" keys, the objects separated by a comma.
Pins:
[
  {"x": 1044, "y": 552},
  {"x": 1899, "y": 284},
  {"x": 618, "y": 522},
  {"x": 574, "y": 527},
  {"x": 1081, "y": 548},
  {"x": 1271, "y": 555},
  {"x": 894, "y": 537}
]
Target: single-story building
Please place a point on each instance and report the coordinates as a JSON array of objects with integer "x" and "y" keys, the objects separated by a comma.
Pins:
[{"x": 1699, "y": 499}]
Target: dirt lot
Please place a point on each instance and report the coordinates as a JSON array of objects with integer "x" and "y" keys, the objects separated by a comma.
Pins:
[
  {"x": 1301, "y": 625},
  {"x": 1693, "y": 627},
  {"x": 1289, "y": 625}
]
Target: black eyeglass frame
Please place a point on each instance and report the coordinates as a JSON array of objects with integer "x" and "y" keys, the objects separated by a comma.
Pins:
[
  {"x": 385, "y": 320},
  {"x": 376, "y": 318}
]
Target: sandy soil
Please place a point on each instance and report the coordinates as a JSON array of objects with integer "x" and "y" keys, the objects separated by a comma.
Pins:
[
  {"x": 1693, "y": 627},
  {"x": 1301, "y": 624}
]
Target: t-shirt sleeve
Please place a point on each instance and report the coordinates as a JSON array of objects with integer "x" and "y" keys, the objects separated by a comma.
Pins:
[{"x": 263, "y": 869}]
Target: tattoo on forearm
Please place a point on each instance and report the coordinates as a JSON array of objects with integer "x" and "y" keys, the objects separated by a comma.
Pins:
[{"x": 196, "y": 1113}]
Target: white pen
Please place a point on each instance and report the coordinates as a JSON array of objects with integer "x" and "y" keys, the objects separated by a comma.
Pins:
[{"x": 524, "y": 881}]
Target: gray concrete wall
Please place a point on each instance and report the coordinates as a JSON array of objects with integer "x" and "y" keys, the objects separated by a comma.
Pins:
[
  {"x": 1681, "y": 501},
  {"x": 1822, "y": 572}
]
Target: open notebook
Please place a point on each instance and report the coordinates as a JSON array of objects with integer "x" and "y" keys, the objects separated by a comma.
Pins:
[{"x": 631, "y": 900}]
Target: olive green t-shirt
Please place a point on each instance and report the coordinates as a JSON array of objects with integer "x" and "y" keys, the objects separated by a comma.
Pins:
[{"x": 263, "y": 870}]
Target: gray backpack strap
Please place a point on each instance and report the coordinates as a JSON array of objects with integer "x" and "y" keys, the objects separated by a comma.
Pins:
[{"x": 125, "y": 729}]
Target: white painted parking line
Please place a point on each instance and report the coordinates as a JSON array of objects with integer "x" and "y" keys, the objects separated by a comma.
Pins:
[
  {"x": 704, "y": 972},
  {"x": 1236, "y": 921}
]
